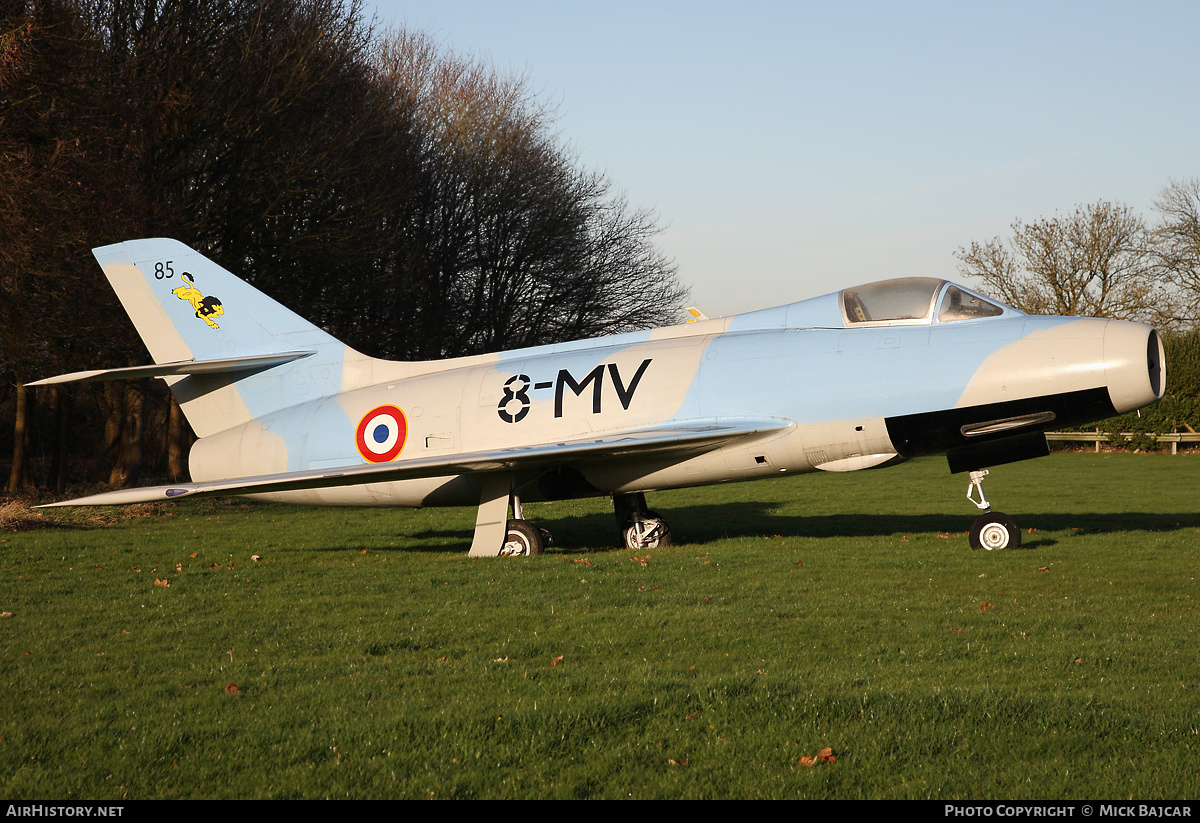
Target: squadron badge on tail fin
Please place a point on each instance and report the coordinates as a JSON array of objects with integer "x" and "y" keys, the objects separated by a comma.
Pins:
[{"x": 206, "y": 307}]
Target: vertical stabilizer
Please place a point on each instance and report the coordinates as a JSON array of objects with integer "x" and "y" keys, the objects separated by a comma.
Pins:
[{"x": 186, "y": 307}]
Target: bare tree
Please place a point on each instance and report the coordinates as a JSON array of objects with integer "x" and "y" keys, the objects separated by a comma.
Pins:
[
  {"x": 54, "y": 175},
  {"x": 1095, "y": 262},
  {"x": 1177, "y": 245},
  {"x": 509, "y": 242}
]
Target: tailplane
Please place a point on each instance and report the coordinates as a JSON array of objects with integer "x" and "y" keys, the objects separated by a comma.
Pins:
[{"x": 228, "y": 352}]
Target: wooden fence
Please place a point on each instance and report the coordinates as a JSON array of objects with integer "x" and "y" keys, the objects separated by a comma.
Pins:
[{"x": 1101, "y": 437}]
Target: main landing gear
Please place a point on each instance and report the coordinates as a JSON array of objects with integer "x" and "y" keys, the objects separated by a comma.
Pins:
[
  {"x": 991, "y": 530},
  {"x": 495, "y": 533},
  {"x": 521, "y": 537},
  {"x": 640, "y": 528}
]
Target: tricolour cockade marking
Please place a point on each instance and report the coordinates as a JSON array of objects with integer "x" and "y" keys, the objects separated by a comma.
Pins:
[{"x": 381, "y": 434}]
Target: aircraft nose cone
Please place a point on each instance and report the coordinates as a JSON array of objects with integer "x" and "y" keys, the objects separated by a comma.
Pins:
[{"x": 1135, "y": 369}]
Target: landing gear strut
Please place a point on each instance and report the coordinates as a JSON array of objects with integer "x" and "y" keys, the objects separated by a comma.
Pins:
[
  {"x": 991, "y": 530},
  {"x": 495, "y": 533},
  {"x": 640, "y": 528},
  {"x": 522, "y": 537}
]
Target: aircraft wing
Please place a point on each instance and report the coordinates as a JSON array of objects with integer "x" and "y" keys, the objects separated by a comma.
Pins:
[
  {"x": 223, "y": 365},
  {"x": 684, "y": 439}
]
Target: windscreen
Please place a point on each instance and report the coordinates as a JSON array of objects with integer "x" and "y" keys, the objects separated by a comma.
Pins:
[{"x": 962, "y": 305}]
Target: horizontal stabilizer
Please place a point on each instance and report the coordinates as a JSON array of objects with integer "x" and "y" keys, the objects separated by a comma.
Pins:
[
  {"x": 683, "y": 439},
  {"x": 225, "y": 365}
]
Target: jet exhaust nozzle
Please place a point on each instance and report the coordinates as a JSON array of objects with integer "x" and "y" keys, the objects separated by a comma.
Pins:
[{"x": 1136, "y": 369}]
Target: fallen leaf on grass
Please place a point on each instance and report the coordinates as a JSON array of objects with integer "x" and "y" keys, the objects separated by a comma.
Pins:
[
  {"x": 985, "y": 606},
  {"x": 643, "y": 560},
  {"x": 557, "y": 660},
  {"x": 824, "y": 756},
  {"x": 955, "y": 629},
  {"x": 674, "y": 762},
  {"x": 232, "y": 689},
  {"x": 163, "y": 583}
]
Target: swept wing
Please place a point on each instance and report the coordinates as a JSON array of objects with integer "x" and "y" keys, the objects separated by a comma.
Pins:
[{"x": 682, "y": 439}]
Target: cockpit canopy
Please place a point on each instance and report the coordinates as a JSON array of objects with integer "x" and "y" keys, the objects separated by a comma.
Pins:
[{"x": 910, "y": 301}]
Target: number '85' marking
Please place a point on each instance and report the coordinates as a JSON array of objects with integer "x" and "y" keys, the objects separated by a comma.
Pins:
[{"x": 163, "y": 271}]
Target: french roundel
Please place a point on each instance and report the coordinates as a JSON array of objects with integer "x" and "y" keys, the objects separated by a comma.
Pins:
[{"x": 381, "y": 434}]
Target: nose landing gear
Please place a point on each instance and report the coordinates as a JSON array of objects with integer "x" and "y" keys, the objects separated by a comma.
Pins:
[{"x": 991, "y": 530}]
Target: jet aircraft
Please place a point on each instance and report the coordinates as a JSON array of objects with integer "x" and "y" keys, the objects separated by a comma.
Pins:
[{"x": 857, "y": 379}]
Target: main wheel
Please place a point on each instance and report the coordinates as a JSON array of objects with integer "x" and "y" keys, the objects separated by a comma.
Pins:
[
  {"x": 522, "y": 538},
  {"x": 650, "y": 532},
  {"x": 995, "y": 530}
]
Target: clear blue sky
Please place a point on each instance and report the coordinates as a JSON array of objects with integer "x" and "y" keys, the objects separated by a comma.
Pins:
[{"x": 792, "y": 149}]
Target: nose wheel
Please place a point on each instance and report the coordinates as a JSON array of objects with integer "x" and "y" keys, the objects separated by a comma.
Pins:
[
  {"x": 991, "y": 530},
  {"x": 995, "y": 530}
]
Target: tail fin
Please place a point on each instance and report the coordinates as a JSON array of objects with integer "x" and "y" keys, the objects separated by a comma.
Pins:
[{"x": 187, "y": 308}]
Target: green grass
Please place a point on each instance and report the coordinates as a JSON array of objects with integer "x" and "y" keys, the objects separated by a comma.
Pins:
[{"x": 375, "y": 660}]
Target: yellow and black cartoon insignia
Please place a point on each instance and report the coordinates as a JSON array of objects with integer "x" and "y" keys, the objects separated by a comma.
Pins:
[{"x": 206, "y": 307}]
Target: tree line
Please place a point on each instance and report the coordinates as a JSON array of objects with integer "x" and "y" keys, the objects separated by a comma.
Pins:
[
  {"x": 1102, "y": 260},
  {"x": 1105, "y": 260},
  {"x": 412, "y": 202}
]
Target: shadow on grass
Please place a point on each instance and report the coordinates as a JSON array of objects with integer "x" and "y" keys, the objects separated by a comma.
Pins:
[
  {"x": 709, "y": 523},
  {"x": 704, "y": 524}
]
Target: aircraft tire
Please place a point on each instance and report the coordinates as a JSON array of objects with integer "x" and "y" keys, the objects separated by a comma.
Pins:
[
  {"x": 522, "y": 539},
  {"x": 658, "y": 534},
  {"x": 995, "y": 530}
]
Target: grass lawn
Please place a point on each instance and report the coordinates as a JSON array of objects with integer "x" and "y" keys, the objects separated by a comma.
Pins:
[{"x": 362, "y": 654}]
